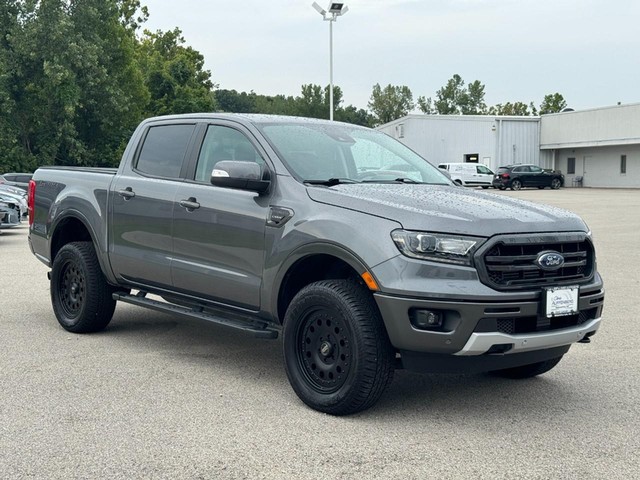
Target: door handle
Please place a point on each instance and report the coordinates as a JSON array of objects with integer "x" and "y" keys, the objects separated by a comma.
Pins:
[
  {"x": 190, "y": 204},
  {"x": 127, "y": 193}
]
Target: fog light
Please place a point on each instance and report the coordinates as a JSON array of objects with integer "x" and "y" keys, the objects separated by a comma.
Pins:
[{"x": 427, "y": 319}]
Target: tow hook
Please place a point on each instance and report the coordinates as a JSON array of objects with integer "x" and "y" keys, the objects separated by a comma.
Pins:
[{"x": 587, "y": 338}]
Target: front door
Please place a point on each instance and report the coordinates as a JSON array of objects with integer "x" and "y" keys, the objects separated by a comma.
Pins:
[{"x": 219, "y": 233}]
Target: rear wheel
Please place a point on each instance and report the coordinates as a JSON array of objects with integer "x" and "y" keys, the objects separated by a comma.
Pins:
[
  {"x": 516, "y": 185},
  {"x": 528, "y": 371},
  {"x": 338, "y": 357},
  {"x": 80, "y": 295},
  {"x": 555, "y": 183}
]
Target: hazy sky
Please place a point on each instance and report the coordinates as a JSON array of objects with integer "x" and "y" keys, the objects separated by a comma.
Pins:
[{"x": 587, "y": 50}]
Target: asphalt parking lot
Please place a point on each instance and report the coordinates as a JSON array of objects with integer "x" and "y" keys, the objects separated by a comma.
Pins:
[{"x": 154, "y": 396}]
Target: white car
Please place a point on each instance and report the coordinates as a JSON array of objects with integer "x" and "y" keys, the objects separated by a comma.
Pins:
[{"x": 469, "y": 174}]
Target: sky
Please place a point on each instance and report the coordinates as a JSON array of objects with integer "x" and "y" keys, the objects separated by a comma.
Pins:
[{"x": 521, "y": 50}]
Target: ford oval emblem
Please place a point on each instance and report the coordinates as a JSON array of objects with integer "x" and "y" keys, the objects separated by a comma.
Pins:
[{"x": 550, "y": 260}]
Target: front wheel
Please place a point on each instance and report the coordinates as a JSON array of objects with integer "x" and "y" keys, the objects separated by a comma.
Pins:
[
  {"x": 528, "y": 371},
  {"x": 555, "y": 183},
  {"x": 516, "y": 185},
  {"x": 81, "y": 297},
  {"x": 338, "y": 357}
]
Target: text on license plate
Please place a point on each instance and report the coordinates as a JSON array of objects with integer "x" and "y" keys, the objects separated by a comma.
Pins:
[{"x": 561, "y": 301}]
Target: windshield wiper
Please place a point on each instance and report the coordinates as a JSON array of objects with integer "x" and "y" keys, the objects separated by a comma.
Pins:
[
  {"x": 331, "y": 181},
  {"x": 395, "y": 180}
]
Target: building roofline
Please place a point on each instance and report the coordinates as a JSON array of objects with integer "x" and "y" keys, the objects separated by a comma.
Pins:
[
  {"x": 593, "y": 109},
  {"x": 488, "y": 118}
]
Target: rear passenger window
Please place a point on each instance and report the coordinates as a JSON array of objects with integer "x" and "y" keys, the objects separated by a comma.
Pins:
[{"x": 164, "y": 150}]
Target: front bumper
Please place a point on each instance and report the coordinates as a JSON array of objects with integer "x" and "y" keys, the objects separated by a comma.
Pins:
[{"x": 486, "y": 327}]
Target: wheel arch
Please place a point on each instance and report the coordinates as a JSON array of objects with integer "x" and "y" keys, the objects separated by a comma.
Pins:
[
  {"x": 309, "y": 264},
  {"x": 74, "y": 227}
]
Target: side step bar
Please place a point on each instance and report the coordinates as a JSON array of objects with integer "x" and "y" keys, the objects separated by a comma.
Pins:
[{"x": 246, "y": 324}]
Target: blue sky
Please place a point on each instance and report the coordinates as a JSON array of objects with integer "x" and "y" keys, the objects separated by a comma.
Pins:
[{"x": 587, "y": 50}]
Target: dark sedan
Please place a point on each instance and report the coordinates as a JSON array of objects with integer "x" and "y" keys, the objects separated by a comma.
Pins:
[{"x": 516, "y": 177}]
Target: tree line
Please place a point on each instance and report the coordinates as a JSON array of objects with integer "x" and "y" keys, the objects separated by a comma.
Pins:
[
  {"x": 454, "y": 98},
  {"x": 77, "y": 76}
]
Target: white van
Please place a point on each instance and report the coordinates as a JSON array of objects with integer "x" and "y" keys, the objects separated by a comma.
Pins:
[{"x": 469, "y": 174}]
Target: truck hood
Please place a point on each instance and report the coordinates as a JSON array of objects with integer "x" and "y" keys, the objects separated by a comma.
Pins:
[{"x": 449, "y": 209}]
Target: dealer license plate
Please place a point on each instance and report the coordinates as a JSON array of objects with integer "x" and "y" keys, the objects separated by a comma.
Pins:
[{"x": 561, "y": 301}]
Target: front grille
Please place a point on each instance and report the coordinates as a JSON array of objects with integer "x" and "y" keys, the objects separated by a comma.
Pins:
[{"x": 511, "y": 264}]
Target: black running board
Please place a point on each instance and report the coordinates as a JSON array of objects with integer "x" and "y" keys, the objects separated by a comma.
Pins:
[{"x": 246, "y": 324}]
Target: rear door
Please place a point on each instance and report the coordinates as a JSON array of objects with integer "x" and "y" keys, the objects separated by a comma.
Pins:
[
  {"x": 522, "y": 173},
  {"x": 142, "y": 205},
  {"x": 219, "y": 233}
]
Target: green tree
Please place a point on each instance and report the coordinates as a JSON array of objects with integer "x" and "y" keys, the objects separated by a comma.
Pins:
[
  {"x": 276, "y": 105},
  {"x": 513, "y": 109},
  {"x": 174, "y": 74},
  {"x": 474, "y": 104},
  {"x": 456, "y": 99},
  {"x": 552, "y": 103},
  {"x": 355, "y": 116},
  {"x": 70, "y": 89},
  {"x": 426, "y": 105},
  {"x": 233, "y": 101},
  {"x": 390, "y": 102}
]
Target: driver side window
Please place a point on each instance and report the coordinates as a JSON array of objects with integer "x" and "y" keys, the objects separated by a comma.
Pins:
[{"x": 224, "y": 143}]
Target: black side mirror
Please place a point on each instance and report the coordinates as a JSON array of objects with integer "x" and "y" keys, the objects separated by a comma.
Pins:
[{"x": 242, "y": 175}]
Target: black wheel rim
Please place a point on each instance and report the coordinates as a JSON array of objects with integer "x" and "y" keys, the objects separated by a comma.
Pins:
[
  {"x": 72, "y": 289},
  {"x": 324, "y": 352}
]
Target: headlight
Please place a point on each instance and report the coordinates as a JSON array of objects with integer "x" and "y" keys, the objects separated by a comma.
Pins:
[{"x": 436, "y": 246}]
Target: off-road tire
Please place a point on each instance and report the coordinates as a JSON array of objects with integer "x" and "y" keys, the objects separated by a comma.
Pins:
[
  {"x": 528, "y": 371},
  {"x": 337, "y": 354},
  {"x": 81, "y": 297},
  {"x": 516, "y": 185}
]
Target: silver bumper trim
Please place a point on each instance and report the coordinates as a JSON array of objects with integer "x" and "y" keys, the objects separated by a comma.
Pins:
[{"x": 479, "y": 343}]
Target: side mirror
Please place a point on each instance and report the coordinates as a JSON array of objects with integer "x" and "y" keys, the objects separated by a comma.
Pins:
[{"x": 242, "y": 175}]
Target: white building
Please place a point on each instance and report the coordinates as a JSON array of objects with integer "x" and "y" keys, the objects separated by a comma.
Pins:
[
  {"x": 601, "y": 146},
  {"x": 491, "y": 140}
]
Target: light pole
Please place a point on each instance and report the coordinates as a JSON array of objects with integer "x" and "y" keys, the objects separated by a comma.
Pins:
[{"x": 335, "y": 10}]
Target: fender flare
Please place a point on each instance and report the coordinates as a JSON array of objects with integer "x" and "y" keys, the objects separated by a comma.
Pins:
[
  {"x": 307, "y": 250},
  {"x": 72, "y": 214}
]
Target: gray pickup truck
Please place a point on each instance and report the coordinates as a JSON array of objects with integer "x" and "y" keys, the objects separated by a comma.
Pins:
[{"x": 361, "y": 254}]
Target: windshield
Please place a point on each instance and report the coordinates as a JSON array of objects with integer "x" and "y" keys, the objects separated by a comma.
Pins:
[{"x": 346, "y": 154}]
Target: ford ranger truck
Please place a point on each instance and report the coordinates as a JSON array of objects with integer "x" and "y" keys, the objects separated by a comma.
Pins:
[{"x": 363, "y": 256}]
